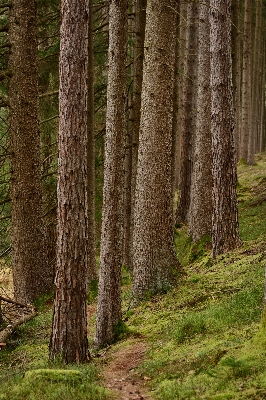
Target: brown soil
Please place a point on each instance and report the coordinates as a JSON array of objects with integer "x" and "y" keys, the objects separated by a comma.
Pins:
[{"x": 120, "y": 372}]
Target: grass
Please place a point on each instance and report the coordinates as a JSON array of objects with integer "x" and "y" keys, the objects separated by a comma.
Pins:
[{"x": 204, "y": 337}]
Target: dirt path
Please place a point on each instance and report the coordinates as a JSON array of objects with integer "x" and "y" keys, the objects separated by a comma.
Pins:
[{"x": 120, "y": 373}]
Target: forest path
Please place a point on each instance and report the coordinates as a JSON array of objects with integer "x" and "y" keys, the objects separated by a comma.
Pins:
[{"x": 120, "y": 373}]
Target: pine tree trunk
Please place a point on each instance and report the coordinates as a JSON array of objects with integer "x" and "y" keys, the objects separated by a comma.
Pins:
[
  {"x": 138, "y": 51},
  {"x": 189, "y": 113},
  {"x": 181, "y": 58},
  {"x": 69, "y": 332},
  {"x": 200, "y": 214},
  {"x": 246, "y": 82},
  {"x": 154, "y": 258},
  {"x": 225, "y": 234},
  {"x": 109, "y": 302},
  {"x": 31, "y": 273},
  {"x": 237, "y": 44},
  {"x": 92, "y": 271}
]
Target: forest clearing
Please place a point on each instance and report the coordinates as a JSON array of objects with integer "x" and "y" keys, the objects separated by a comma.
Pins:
[{"x": 201, "y": 340}]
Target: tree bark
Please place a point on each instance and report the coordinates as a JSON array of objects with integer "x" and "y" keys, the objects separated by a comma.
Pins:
[
  {"x": 30, "y": 270},
  {"x": 225, "y": 234},
  {"x": 246, "y": 82},
  {"x": 69, "y": 332},
  {"x": 139, "y": 10},
  {"x": 200, "y": 213},
  {"x": 109, "y": 301},
  {"x": 189, "y": 113},
  {"x": 92, "y": 271},
  {"x": 154, "y": 258}
]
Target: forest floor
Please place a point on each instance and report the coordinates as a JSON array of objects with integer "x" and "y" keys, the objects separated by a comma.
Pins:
[
  {"x": 120, "y": 373},
  {"x": 202, "y": 340}
]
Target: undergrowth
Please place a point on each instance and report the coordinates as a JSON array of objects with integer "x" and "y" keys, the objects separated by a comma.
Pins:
[{"x": 204, "y": 337}]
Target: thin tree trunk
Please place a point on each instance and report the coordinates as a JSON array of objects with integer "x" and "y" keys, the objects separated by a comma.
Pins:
[
  {"x": 181, "y": 58},
  {"x": 92, "y": 271},
  {"x": 154, "y": 259},
  {"x": 200, "y": 214},
  {"x": 246, "y": 82},
  {"x": 30, "y": 270},
  {"x": 225, "y": 234},
  {"x": 138, "y": 53},
  {"x": 69, "y": 332},
  {"x": 109, "y": 301},
  {"x": 189, "y": 113}
]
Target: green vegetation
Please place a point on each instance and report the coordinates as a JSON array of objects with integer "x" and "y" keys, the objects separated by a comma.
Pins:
[{"x": 204, "y": 337}]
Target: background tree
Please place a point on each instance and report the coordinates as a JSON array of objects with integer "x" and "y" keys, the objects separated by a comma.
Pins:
[
  {"x": 189, "y": 113},
  {"x": 69, "y": 333},
  {"x": 246, "y": 81},
  {"x": 30, "y": 270},
  {"x": 92, "y": 271},
  {"x": 225, "y": 234},
  {"x": 154, "y": 259},
  {"x": 199, "y": 219},
  {"x": 109, "y": 301}
]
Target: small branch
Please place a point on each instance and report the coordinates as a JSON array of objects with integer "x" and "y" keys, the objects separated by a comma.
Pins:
[
  {"x": 5, "y": 75},
  {"x": 5, "y": 333},
  {"x": 55, "y": 92},
  {"x": 7, "y": 300}
]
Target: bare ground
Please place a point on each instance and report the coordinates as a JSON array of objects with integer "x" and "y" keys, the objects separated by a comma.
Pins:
[{"x": 120, "y": 372}]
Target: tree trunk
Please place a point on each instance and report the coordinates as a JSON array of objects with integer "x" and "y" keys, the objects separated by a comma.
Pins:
[
  {"x": 225, "y": 234},
  {"x": 92, "y": 271},
  {"x": 139, "y": 9},
  {"x": 30, "y": 270},
  {"x": 69, "y": 333},
  {"x": 189, "y": 113},
  {"x": 200, "y": 214},
  {"x": 246, "y": 82},
  {"x": 109, "y": 302},
  {"x": 237, "y": 44},
  {"x": 154, "y": 259}
]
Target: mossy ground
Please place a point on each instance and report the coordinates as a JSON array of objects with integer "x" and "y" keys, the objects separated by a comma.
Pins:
[{"x": 204, "y": 337}]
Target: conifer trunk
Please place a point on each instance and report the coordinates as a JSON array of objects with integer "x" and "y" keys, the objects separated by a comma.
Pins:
[
  {"x": 109, "y": 301},
  {"x": 225, "y": 234},
  {"x": 30, "y": 270},
  {"x": 69, "y": 331},
  {"x": 154, "y": 258}
]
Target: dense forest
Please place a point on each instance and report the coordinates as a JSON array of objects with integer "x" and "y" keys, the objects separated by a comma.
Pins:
[{"x": 132, "y": 194}]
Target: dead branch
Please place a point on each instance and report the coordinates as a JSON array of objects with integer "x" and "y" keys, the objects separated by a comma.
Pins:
[{"x": 5, "y": 333}]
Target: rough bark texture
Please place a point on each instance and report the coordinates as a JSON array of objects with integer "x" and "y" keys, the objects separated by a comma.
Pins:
[
  {"x": 246, "y": 81},
  {"x": 256, "y": 93},
  {"x": 181, "y": 57},
  {"x": 200, "y": 214},
  {"x": 225, "y": 233},
  {"x": 154, "y": 258},
  {"x": 139, "y": 10},
  {"x": 69, "y": 334},
  {"x": 109, "y": 302},
  {"x": 237, "y": 44},
  {"x": 92, "y": 271},
  {"x": 189, "y": 113},
  {"x": 175, "y": 147},
  {"x": 30, "y": 270}
]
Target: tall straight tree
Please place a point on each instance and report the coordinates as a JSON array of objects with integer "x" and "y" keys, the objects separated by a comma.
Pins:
[
  {"x": 139, "y": 11},
  {"x": 246, "y": 81},
  {"x": 92, "y": 271},
  {"x": 30, "y": 270},
  {"x": 225, "y": 233},
  {"x": 200, "y": 213},
  {"x": 69, "y": 334},
  {"x": 188, "y": 113},
  {"x": 109, "y": 302},
  {"x": 154, "y": 257}
]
